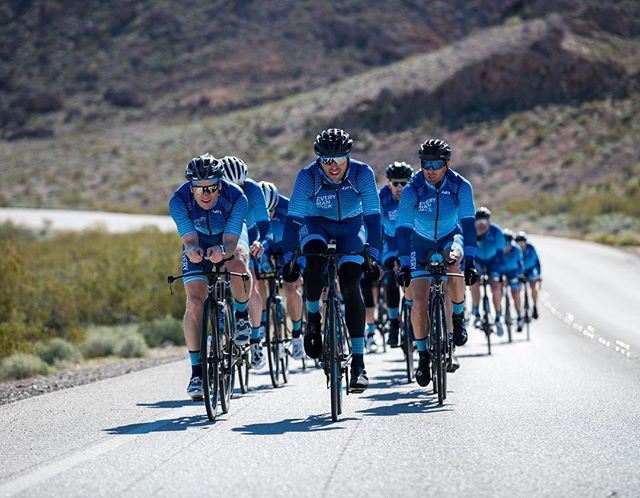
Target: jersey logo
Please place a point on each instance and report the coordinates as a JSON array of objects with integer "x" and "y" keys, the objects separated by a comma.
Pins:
[
  {"x": 325, "y": 201},
  {"x": 393, "y": 215},
  {"x": 426, "y": 205}
]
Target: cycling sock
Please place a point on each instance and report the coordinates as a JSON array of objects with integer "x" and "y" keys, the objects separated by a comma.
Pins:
[
  {"x": 263, "y": 317},
  {"x": 255, "y": 333},
  {"x": 196, "y": 365},
  {"x": 371, "y": 329},
  {"x": 393, "y": 313},
  {"x": 296, "y": 330},
  {"x": 409, "y": 302},
  {"x": 357, "y": 360},
  {"x": 421, "y": 344},
  {"x": 357, "y": 345},
  {"x": 241, "y": 308},
  {"x": 340, "y": 298},
  {"x": 313, "y": 306},
  {"x": 475, "y": 310},
  {"x": 458, "y": 308},
  {"x": 519, "y": 313},
  {"x": 498, "y": 315}
]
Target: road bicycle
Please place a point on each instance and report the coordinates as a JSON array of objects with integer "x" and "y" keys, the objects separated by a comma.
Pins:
[
  {"x": 407, "y": 340},
  {"x": 220, "y": 355},
  {"x": 485, "y": 323},
  {"x": 508, "y": 317},
  {"x": 526, "y": 306}
]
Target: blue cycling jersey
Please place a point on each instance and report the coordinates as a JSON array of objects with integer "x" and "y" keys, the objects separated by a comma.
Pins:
[
  {"x": 491, "y": 244},
  {"x": 531, "y": 260},
  {"x": 513, "y": 261},
  {"x": 434, "y": 213},
  {"x": 389, "y": 211},
  {"x": 277, "y": 225},
  {"x": 314, "y": 195},
  {"x": 227, "y": 215},
  {"x": 257, "y": 215}
]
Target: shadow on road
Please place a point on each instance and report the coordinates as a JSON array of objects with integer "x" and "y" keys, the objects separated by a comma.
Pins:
[
  {"x": 314, "y": 423},
  {"x": 419, "y": 404},
  {"x": 169, "y": 403},
  {"x": 163, "y": 425}
]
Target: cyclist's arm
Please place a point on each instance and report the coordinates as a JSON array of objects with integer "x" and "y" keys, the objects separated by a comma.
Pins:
[
  {"x": 404, "y": 223},
  {"x": 230, "y": 243},
  {"x": 180, "y": 216},
  {"x": 500, "y": 243},
  {"x": 190, "y": 241},
  {"x": 371, "y": 210},
  {"x": 466, "y": 217},
  {"x": 236, "y": 218}
]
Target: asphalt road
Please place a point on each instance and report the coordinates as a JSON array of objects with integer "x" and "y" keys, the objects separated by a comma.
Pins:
[{"x": 556, "y": 416}]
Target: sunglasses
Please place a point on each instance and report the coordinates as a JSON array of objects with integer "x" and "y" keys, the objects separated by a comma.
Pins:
[
  {"x": 208, "y": 189},
  {"x": 401, "y": 183},
  {"x": 337, "y": 160},
  {"x": 434, "y": 165}
]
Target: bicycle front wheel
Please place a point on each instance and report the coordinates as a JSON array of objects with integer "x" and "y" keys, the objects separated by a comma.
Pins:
[
  {"x": 228, "y": 362},
  {"x": 271, "y": 339},
  {"x": 210, "y": 357},
  {"x": 407, "y": 342},
  {"x": 335, "y": 373},
  {"x": 507, "y": 314},
  {"x": 438, "y": 336}
]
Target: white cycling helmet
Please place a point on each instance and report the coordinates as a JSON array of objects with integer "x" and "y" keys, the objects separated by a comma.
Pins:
[
  {"x": 235, "y": 170},
  {"x": 271, "y": 194}
]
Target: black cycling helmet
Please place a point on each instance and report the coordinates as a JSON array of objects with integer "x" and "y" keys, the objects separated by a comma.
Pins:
[
  {"x": 508, "y": 235},
  {"x": 483, "y": 213},
  {"x": 204, "y": 167},
  {"x": 521, "y": 236},
  {"x": 435, "y": 149},
  {"x": 398, "y": 171},
  {"x": 332, "y": 143}
]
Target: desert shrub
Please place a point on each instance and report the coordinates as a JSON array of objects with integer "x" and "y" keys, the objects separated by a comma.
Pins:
[
  {"x": 131, "y": 346},
  {"x": 22, "y": 365},
  {"x": 120, "y": 340},
  {"x": 58, "y": 352},
  {"x": 161, "y": 331}
]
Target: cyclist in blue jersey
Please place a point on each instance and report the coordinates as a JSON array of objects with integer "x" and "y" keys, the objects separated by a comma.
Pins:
[
  {"x": 277, "y": 205},
  {"x": 532, "y": 272},
  {"x": 334, "y": 197},
  {"x": 235, "y": 171},
  {"x": 435, "y": 206},
  {"x": 398, "y": 175},
  {"x": 490, "y": 259},
  {"x": 514, "y": 268},
  {"x": 209, "y": 214}
]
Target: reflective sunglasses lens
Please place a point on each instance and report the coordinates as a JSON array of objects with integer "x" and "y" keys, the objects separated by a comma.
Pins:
[{"x": 434, "y": 165}]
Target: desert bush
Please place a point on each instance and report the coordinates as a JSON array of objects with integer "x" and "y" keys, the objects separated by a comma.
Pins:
[
  {"x": 58, "y": 352},
  {"x": 100, "y": 342},
  {"x": 22, "y": 365},
  {"x": 131, "y": 346},
  {"x": 162, "y": 331},
  {"x": 119, "y": 340}
]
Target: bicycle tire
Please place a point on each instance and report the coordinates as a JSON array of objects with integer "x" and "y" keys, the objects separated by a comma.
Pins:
[
  {"x": 527, "y": 314},
  {"x": 407, "y": 343},
  {"x": 228, "y": 350},
  {"x": 440, "y": 370},
  {"x": 334, "y": 366},
  {"x": 284, "y": 341},
  {"x": 271, "y": 343},
  {"x": 486, "y": 326},
  {"x": 210, "y": 359},
  {"x": 507, "y": 314},
  {"x": 242, "y": 368}
]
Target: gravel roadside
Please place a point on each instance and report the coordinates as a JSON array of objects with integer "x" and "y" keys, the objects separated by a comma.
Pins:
[{"x": 85, "y": 373}]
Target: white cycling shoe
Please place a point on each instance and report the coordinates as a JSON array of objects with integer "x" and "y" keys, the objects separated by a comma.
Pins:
[
  {"x": 194, "y": 389},
  {"x": 297, "y": 347},
  {"x": 243, "y": 332},
  {"x": 372, "y": 347},
  {"x": 477, "y": 322},
  {"x": 499, "y": 329},
  {"x": 257, "y": 357}
]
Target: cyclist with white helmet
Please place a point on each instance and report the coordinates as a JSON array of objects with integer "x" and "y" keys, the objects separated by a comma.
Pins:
[
  {"x": 235, "y": 171},
  {"x": 490, "y": 259},
  {"x": 514, "y": 268},
  {"x": 532, "y": 272},
  {"x": 209, "y": 213},
  {"x": 277, "y": 205},
  {"x": 435, "y": 206},
  {"x": 334, "y": 197}
]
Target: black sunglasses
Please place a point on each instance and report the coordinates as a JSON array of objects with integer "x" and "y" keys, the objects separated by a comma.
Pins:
[{"x": 208, "y": 189}]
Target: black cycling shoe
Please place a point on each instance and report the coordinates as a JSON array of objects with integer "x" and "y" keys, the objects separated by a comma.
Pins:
[
  {"x": 423, "y": 372},
  {"x": 534, "y": 315},
  {"x": 459, "y": 330},
  {"x": 394, "y": 327},
  {"x": 359, "y": 380},
  {"x": 313, "y": 339}
]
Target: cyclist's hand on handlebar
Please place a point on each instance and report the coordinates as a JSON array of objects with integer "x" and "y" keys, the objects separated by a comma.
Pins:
[
  {"x": 470, "y": 272},
  {"x": 372, "y": 272},
  {"x": 291, "y": 272},
  {"x": 256, "y": 249},
  {"x": 194, "y": 253},
  {"x": 404, "y": 277},
  {"x": 214, "y": 254}
]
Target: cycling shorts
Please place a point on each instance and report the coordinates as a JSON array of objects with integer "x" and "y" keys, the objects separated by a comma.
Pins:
[
  {"x": 349, "y": 235},
  {"x": 421, "y": 248}
]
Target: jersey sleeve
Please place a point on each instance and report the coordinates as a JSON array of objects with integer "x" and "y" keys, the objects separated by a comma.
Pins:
[
  {"x": 180, "y": 215},
  {"x": 237, "y": 215},
  {"x": 404, "y": 223},
  {"x": 466, "y": 217},
  {"x": 368, "y": 192}
]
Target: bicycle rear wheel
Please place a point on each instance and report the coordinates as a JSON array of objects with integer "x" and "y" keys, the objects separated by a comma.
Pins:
[
  {"x": 407, "y": 341},
  {"x": 271, "y": 338},
  {"x": 507, "y": 314},
  {"x": 210, "y": 358},
  {"x": 227, "y": 364},
  {"x": 242, "y": 366},
  {"x": 284, "y": 340},
  {"x": 527, "y": 314},
  {"x": 486, "y": 326}
]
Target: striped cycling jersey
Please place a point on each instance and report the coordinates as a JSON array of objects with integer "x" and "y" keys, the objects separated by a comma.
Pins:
[
  {"x": 314, "y": 195},
  {"x": 389, "y": 211},
  {"x": 531, "y": 259},
  {"x": 491, "y": 244},
  {"x": 227, "y": 215},
  {"x": 257, "y": 214},
  {"x": 513, "y": 260},
  {"x": 278, "y": 220},
  {"x": 433, "y": 213}
]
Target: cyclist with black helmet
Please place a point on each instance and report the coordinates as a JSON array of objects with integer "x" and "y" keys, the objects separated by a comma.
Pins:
[
  {"x": 398, "y": 175},
  {"x": 514, "y": 268},
  {"x": 235, "y": 171},
  {"x": 532, "y": 272},
  {"x": 209, "y": 213},
  {"x": 277, "y": 205},
  {"x": 490, "y": 259},
  {"x": 435, "y": 206},
  {"x": 334, "y": 197}
]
